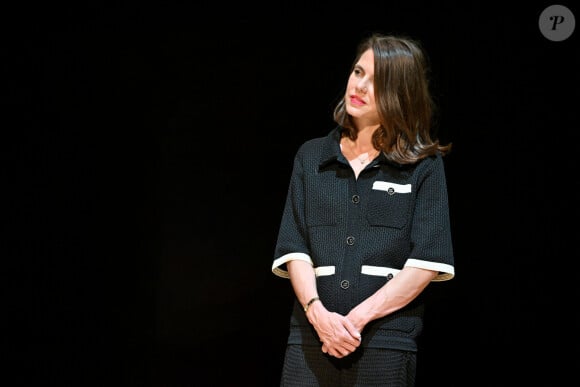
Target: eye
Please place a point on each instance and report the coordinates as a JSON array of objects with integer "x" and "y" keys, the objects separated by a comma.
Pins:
[{"x": 357, "y": 71}]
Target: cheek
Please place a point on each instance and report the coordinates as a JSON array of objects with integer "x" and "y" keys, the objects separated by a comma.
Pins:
[
  {"x": 351, "y": 84},
  {"x": 371, "y": 95}
]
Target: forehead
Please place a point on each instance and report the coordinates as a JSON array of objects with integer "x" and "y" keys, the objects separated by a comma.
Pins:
[{"x": 366, "y": 60}]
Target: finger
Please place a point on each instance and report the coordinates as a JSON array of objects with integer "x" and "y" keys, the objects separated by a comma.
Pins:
[
  {"x": 351, "y": 338},
  {"x": 353, "y": 332},
  {"x": 349, "y": 326}
]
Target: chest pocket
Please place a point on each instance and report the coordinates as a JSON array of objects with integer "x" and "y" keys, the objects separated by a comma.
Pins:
[{"x": 389, "y": 204}]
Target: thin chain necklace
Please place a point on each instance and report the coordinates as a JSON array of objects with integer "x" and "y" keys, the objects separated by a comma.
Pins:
[{"x": 363, "y": 158}]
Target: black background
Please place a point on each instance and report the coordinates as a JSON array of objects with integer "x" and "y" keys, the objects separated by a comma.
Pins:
[{"x": 146, "y": 154}]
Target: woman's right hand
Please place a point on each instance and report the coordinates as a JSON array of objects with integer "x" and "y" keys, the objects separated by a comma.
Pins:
[{"x": 338, "y": 335}]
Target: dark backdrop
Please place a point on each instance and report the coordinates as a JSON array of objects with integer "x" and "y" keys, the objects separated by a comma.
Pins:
[{"x": 146, "y": 154}]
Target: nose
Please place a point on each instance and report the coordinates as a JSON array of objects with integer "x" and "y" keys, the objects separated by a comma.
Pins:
[{"x": 362, "y": 87}]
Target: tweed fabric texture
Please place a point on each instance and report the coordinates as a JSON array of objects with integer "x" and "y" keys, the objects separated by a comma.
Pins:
[
  {"x": 309, "y": 367},
  {"x": 390, "y": 216}
]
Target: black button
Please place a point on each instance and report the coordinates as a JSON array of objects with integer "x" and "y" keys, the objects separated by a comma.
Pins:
[
  {"x": 350, "y": 240},
  {"x": 391, "y": 191},
  {"x": 344, "y": 284},
  {"x": 389, "y": 276},
  {"x": 355, "y": 199}
]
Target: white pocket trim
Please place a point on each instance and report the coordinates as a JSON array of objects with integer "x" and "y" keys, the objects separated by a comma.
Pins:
[
  {"x": 378, "y": 270},
  {"x": 321, "y": 271},
  {"x": 391, "y": 188}
]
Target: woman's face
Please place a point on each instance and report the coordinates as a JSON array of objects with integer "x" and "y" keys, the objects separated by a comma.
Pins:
[{"x": 360, "y": 92}]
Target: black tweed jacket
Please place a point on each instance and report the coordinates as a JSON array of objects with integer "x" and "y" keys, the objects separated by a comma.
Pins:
[{"x": 360, "y": 232}]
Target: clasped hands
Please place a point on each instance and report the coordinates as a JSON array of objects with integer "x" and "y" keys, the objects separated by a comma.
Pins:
[{"x": 339, "y": 336}]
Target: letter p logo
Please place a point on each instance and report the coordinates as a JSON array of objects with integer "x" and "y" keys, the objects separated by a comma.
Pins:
[{"x": 557, "y": 23}]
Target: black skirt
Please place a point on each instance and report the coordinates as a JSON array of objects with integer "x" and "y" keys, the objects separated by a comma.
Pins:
[{"x": 308, "y": 366}]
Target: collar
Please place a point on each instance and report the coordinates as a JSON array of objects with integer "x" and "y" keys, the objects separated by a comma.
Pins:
[{"x": 331, "y": 151}]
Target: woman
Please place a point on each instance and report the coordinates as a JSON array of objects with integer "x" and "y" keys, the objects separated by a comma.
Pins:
[{"x": 366, "y": 227}]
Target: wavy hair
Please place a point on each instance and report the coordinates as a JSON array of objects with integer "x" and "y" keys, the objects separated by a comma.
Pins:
[{"x": 404, "y": 103}]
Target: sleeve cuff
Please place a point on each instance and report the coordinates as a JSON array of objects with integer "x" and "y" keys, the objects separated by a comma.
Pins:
[
  {"x": 445, "y": 271},
  {"x": 279, "y": 264}
]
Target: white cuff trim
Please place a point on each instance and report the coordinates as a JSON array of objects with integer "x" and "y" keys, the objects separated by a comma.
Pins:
[
  {"x": 276, "y": 265},
  {"x": 446, "y": 272}
]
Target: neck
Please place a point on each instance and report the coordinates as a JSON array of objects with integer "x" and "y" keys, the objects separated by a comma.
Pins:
[{"x": 363, "y": 143}]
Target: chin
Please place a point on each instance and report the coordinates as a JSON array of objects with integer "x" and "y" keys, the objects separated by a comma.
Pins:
[{"x": 354, "y": 111}]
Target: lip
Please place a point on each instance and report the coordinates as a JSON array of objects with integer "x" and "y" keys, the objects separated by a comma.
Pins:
[{"x": 356, "y": 101}]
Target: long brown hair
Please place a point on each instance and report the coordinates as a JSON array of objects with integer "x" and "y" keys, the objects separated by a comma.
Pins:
[{"x": 404, "y": 103}]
